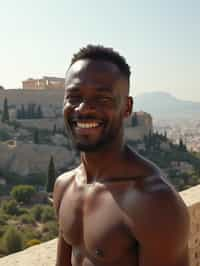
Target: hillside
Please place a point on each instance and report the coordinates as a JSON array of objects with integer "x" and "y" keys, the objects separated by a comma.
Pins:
[{"x": 165, "y": 105}]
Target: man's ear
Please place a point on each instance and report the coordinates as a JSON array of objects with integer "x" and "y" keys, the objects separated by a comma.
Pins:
[{"x": 129, "y": 106}]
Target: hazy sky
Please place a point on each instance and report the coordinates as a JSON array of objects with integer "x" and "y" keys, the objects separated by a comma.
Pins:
[{"x": 160, "y": 39}]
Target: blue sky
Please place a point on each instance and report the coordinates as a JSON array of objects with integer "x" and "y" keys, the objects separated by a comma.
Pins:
[{"x": 160, "y": 40}]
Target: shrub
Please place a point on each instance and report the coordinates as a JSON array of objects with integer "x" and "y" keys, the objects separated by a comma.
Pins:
[
  {"x": 36, "y": 211},
  {"x": 23, "y": 193},
  {"x": 10, "y": 207},
  {"x": 27, "y": 219},
  {"x": 2, "y": 221},
  {"x": 50, "y": 231},
  {"x": 32, "y": 242},
  {"x": 12, "y": 240},
  {"x": 48, "y": 214},
  {"x": 29, "y": 233},
  {"x": 4, "y": 135},
  {"x": 51, "y": 227}
]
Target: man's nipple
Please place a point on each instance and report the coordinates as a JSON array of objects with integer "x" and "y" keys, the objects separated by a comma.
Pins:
[{"x": 99, "y": 252}]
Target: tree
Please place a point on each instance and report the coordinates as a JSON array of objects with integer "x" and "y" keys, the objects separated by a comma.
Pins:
[
  {"x": 51, "y": 175},
  {"x": 134, "y": 120},
  {"x": 10, "y": 207},
  {"x": 54, "y": 129},
  {"x": 165, "y": 135},
  {"x": 37, "y": 211},
  {"x": 39, "y": 113},
  {"x": 48, "y": 214},
  {"x": 5, "y": 114},
  {"x": 36, "y": 136},
  {"x": 22, "y": 193},
  {"x": 12, "y": 240},
  {"x": 181, "y": 145}
]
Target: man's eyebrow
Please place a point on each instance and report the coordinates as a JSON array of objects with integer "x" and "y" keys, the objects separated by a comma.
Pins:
[
  {"x": 99, "y": 89},
  {"x": 104, "y": 89},
  {"x": 72, "y": 89}
]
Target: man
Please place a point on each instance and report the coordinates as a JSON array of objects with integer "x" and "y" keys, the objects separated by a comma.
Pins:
[{"x": 115, "y": 208}]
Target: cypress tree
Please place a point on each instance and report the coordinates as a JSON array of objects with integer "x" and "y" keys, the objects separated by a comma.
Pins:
[
  {"x": 51, "y": 176},
  {"x": 36, "y": 136},
  {"x": 134, "y": 120},
  {"x": 54, "y": 129},
  {"x": 5, "y": 114},
  {"x": 23, "y": 112},
  {"x": 182, "y": 146},
  {"x": 39, "y": 112}
]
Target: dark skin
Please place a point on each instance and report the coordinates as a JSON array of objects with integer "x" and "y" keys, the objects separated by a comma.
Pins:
[{"x": 116, "y": 208}]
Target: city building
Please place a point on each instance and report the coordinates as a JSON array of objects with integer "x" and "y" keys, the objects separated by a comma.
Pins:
[{"x": 43, "y": 83}]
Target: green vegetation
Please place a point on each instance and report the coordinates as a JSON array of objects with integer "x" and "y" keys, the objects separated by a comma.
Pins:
[
  {"x": 33, "y": 224},
  {"x": 36, "y": 136},
  {"x": 134, "y": 120},
  {"x": 10, "y": 207},
  {"x": 23, "y": 193},
  {"x": 12, "y": 240},
  {"x": 165, "y": 157},
  {"x": 4, "y": 135},
  {"x": 5, "y": 115},
  {"x": 51, "y": 177}
]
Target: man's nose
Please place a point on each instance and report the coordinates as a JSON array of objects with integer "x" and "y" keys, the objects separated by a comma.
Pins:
[{"x": 85, "y": 106}]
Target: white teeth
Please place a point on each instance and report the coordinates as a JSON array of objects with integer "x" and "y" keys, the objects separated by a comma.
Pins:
[{"x": 87, "y": 125}]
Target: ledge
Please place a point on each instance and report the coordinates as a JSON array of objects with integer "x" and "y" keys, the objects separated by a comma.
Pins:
[
  {"x": 45, "y": 254},
  {"x": 39, "y": 255}
]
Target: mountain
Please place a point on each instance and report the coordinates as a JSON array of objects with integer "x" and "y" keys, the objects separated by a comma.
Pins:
[{"x": 165, "y": 105}]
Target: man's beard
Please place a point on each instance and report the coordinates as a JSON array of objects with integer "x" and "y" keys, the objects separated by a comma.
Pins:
[
  {"x": 104, "y": 141},
  {"x": 108, "y": 136},
  {"x": 94, "y": 147}
]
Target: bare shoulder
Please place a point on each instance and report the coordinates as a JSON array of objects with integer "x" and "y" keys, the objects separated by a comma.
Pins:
[
  {"x": 158, "y": 215},
  {"x": 61, "y": 184}
]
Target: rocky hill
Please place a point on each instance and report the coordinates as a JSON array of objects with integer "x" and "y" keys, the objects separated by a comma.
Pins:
[{"x": 165, "y": 105}]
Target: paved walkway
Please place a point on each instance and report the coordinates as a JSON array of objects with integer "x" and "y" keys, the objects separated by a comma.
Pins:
[{"x": 39, "y": 255}]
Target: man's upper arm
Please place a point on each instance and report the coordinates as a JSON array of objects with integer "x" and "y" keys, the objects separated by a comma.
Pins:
[
  {"x": 60, "y": 186},
  {"x": 163, "y": 231},
  {"x": 63, "y": 249}
]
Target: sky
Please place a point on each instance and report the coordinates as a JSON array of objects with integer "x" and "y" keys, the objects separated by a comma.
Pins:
[{"x": 159, "y": 39}]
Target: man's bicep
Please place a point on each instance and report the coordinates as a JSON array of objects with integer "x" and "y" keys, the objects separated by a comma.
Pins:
[
  {"x": 163, "y": 235},
  {"x": 166, "y": 244},
  {"x": 60, "y": 186},
  {"x": 162, "y": 256},
  {"x": 63, "y": 252},
  {"x": 57, "y": 195}
]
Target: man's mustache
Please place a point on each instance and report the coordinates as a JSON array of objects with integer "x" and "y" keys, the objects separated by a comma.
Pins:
[{"x": 84, "y": 117}]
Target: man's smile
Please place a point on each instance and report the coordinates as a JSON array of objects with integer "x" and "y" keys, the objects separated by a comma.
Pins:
[{"x": 87, "y": 124}]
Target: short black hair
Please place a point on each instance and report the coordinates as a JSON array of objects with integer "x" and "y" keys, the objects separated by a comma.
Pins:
[{"x": 99, "y": 52}]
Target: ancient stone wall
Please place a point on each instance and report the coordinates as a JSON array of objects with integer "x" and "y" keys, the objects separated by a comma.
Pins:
[
  {"x": 192, "y": 199},
  {"x": 45, "y": 254},
  {"x": 46, "y": 98}
]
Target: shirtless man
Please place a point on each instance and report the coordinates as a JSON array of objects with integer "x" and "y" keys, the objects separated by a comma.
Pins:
[{"x": 116, "y": 208}]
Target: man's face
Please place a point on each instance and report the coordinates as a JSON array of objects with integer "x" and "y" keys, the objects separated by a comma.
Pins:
[{"x": 95, "y": 103}]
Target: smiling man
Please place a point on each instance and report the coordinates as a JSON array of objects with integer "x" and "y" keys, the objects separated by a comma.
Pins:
[{"x": 115, "y": 208}]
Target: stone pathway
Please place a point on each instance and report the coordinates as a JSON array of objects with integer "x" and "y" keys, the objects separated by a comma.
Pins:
[{"x": 39, "y": 255}]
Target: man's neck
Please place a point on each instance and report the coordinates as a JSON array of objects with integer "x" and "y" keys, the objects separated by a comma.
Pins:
[{"x": 100, "y": 164}]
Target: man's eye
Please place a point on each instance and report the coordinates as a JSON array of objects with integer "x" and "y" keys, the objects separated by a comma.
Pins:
[
  {"x": 104, "y": 100},
  {"x": 74, "y": 99}
]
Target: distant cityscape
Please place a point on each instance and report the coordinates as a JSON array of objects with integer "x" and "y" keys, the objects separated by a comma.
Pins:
[
  {"x": 166, "y": 111},
  {"x": 186, "y": 129}
]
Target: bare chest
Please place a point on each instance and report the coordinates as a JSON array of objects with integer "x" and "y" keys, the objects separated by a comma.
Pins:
[{"x": 92, "y": 218}]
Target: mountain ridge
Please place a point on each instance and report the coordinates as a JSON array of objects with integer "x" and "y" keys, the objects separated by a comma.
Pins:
[{"x": 165, "y": 105}]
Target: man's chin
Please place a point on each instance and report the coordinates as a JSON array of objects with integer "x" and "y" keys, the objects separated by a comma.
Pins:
[
  {"x": 93, "y": 147},
  {"x": 88, "y": 147}
]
